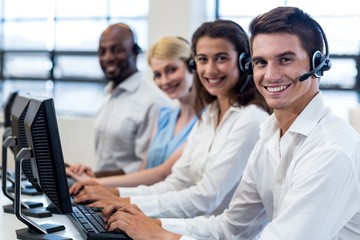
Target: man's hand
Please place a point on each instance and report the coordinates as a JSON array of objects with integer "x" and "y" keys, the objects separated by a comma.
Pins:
[
  {"x": 133, "y": 221},
  {"x": 96, "y": 192},
  {"x": 80, "y": 169},
  {"x": 77, "y": 177},
  {"x": 119, "y": 202},
  {"x": 78, "y": 186},
  {"x": 110, "y": 207}
]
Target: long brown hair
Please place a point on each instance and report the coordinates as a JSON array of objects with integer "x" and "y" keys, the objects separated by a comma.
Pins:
[{"x": 234, "y": 33}]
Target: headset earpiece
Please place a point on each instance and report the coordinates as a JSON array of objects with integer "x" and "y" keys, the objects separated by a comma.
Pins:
[
  {"x": 136, "y": 49},
  {"x": 320, "y": 63},
  {"x": 191, "y": 65},
  {"x": 243, "y": 59},
  {"x": 249, "y": 68}
]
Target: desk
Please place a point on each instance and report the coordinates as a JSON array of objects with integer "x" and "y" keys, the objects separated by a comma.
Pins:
[{"x": 9, "y": 222}]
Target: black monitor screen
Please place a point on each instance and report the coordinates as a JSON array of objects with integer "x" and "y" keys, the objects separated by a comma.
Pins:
[
  {"x": 7, "y": 109},
  {"x": 18, "y": 113},
  {"x": 47, "y": 160}
]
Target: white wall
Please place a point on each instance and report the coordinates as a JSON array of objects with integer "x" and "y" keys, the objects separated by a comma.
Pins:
[
  {"x": 77, "y": 141},
  {"x": 77, "y": 136},
  {"x": 174, "y": 17}
]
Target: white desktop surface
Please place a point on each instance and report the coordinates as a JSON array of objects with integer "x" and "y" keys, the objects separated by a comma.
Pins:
[{"x": 9, "y": 222}]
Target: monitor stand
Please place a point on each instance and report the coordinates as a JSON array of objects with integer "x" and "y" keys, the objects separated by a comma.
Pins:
[
  {"x": 37, "y": 212},
  {"x": 29, "y": 208},
  {"x": 26, "y": 187},
  {"x": 34, "y": 230},
  {"x": 28, "y": 234},
  {"x": 26, "y": 190}
]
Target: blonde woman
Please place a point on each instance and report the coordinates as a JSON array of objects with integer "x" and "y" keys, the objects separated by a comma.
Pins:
[{"x": 168, "y": 59}]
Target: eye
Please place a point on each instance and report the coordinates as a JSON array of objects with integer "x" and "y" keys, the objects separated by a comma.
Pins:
[
  {"x": 221, "y": 58},
  {"x": 171, "y": 70},
  {"x": 118, "y": 50},
  {"x": 259, "y": 63},
  {"x": 201, "y": 59},
  {"x": 101, "y": 51},
  {"x": 284, "y": 59},
  {"x": 156, "y": 76}
]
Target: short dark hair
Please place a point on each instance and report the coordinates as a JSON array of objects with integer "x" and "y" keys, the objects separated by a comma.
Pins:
[
  {"x": 235, "y": 34},
  {"x": 290, "y": 20}
]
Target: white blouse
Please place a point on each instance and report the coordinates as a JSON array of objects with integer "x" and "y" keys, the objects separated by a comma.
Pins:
[{"x": 205, "y": 177}]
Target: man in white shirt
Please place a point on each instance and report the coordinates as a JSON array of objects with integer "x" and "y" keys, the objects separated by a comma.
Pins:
[
  {"x": 124, "y": 123},
  {"x": 302, "y": 180}
]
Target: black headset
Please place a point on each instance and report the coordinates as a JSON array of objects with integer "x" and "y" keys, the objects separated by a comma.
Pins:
[
  {"x": 189, "y": 62},
  {"x": 319, "y": 61},
  {"x": 136, "y": 48},
  {"x": 191, "y": 65}
]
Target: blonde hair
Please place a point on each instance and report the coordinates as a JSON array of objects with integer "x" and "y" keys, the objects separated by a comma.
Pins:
[{"x": 170, "y": 47}]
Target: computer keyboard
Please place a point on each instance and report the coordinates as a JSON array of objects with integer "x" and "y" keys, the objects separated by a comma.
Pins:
[{"x": 89, "y": 222}]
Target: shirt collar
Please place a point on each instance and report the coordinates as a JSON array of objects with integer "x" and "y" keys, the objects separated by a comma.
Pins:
[
  {"x": 130, "y": 84},
  {"x": 310, "y": 116},
  {"x": 213, "y": 109},
  {"x": 303, "y": 124}
]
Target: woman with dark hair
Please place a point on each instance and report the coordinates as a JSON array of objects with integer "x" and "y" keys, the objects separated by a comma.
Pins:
[
  {"x": 244, "y": 91},
  {"x": 230, "y": 112}
]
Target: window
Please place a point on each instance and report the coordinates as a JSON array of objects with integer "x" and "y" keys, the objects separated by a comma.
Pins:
[{"x": 49, "y": 49}]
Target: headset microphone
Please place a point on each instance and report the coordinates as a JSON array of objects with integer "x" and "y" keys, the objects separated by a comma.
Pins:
[
  {"x": 305, "y": 76},
  {"x": 320, "y": 63}
]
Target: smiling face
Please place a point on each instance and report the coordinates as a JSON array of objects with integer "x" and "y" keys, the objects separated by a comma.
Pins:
[
  {"x": 279, "y": 60},
  {"x": 115, "y": 53},
  {"x": 172, "y": 76},
  {"x": 217, "y": 65}
]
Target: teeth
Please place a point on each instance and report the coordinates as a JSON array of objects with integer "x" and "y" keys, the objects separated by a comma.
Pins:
[
  {"x": 276, "y": 89},
  {"x": 111, "y": 68},
  {"x": 214, "y": 80}
]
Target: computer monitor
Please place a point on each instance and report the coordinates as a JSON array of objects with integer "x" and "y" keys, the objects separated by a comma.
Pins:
[
  {"x": 21, "y": 103},
  {"x": 7, "y": 111},
  {"x": 18, "y": 113},
  {"x": 7, "y": 117},
  {"x": 16, "y": 140},
  {"x": 45, "y": 154}
]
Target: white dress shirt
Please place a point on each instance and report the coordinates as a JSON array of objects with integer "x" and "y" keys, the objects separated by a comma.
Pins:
[
  {"x": 208, "y": 172},
  {"x": 306, "y": 184},
  {"x": 124, "y": 123}
]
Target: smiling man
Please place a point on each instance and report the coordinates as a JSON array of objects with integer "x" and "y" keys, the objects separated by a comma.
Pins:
[{"x": 124, "y": 123}]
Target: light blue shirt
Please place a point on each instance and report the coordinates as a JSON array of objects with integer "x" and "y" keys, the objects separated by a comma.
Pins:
[{"x": 164, "y": 143}]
